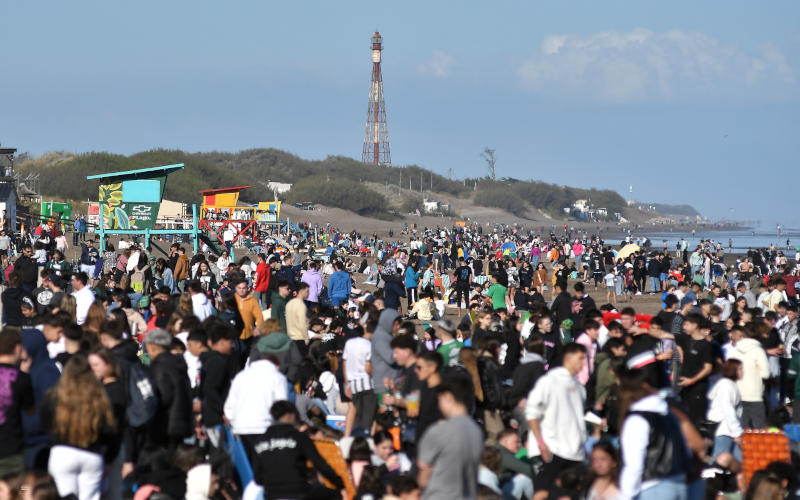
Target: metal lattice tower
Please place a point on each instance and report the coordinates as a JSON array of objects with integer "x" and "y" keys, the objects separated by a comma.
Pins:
[{"x": 376, "y": 136}]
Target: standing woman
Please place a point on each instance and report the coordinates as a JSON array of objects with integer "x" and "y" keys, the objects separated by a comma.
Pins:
[
  {"x": 223, "y": 262},
  {"x": 105, "y": 369},
  {"x": 78, "y": 414},
  {"x": 536, "y": 255},
  {"x": 412, "y": 283},
  {"x": 725, "y": 410},
  {"x": 525, "y": 275},
  {"x": 540, "y": 278}
]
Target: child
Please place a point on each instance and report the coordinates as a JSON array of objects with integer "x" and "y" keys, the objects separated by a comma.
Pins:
[
  {"x": 439, "y": 305},
  {"x": 610, "y": 280},
  {"x": 630, "y": 284}
]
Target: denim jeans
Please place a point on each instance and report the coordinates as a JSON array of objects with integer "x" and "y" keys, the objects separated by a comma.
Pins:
[
  {"x": 655, "y": 285},
  {"x": 724, "y": 444},
  {"x": 671, "y": 488}
]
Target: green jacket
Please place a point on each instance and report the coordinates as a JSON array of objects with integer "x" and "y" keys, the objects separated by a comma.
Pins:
[
  {"x": 605, "y": 379},
  {"x": 279, "y": 309}
]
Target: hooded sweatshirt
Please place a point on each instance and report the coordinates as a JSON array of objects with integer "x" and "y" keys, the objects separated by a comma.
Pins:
[
  {"x": 383, "y": 364},
  {"x": 530, "y": 369},
  {"x": 557, "y": 402},
  {"x": 44, "y": 375},
  {"x": 755, "y": 368},
  {"x": 726, "y": 408},
  {"x": 201, "y": 307},
  {"x": 634, "y": 447}
]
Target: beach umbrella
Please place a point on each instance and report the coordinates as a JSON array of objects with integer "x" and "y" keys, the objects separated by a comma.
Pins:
[
  {"x": 627, "y": 250},
  {"x": 509, "y": 246}
]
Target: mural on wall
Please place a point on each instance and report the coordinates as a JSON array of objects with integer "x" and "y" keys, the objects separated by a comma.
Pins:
[{"x": 118, "y": 214}]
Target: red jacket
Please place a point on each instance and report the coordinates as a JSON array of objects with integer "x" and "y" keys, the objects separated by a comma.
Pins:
[{"x": 262, "y": 277}]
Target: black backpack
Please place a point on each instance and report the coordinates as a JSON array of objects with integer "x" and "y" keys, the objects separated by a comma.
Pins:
[{"x": 142, "y": 399}]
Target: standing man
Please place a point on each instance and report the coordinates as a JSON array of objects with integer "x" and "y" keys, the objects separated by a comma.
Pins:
[
  {"x": 314, "y": 281},
  {"x": 450, "y": 451},
  {"x": 17, "y": 390},
  {"x": 172, "y": 421},
  {"x": 554, "y": 411},
  {"x": 84, "y": 298},
  {"x": 261, "y": 284},
  {"x": 279, "y": 301},
  {"x": 82, "y": 228},
  {"x": 89, "y": 258},
  {"x": 248, "y": 310},
  {"x": 27, "y": 269},
  {"x": 297, "y": 317},
  {"x": 463, "y": 278},
  {"x": 227, "y": 237}
]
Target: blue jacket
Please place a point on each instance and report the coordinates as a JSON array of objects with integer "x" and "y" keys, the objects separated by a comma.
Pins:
[
  {"x": 339, "y": 285},
  {"x": 654, "y": 268},
  {"x": 412, "y": 277}
]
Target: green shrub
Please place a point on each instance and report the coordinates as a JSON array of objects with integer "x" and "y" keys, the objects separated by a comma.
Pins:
[{"x": 339, "y": 193}]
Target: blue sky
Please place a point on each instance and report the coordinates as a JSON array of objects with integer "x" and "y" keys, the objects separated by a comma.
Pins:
[{"x": 690, "y": 102}]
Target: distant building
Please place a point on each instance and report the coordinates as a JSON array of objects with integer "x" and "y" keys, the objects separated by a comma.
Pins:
[
  {"x": 430, "y": 206},
  {"x": 581, "y": 206},
  {"x": 278, "y": 187}
]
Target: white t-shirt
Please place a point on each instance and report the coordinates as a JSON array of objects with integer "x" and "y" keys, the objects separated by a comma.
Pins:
[
  {"x": 357, "y": 352},
  {"x": 609, "y": 279}
]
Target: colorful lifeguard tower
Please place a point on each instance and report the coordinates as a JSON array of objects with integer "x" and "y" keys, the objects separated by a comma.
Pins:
[
  {"x": 221, "y": 209},
  {"x": 129, "y": 203}
]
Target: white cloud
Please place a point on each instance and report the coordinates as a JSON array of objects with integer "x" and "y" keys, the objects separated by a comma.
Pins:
[
  {"x": 623, "y": 66},
  {"x": 440, "y": 65}
]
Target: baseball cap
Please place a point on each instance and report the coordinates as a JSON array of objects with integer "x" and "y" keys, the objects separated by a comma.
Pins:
[
  {"x": 686, "y": 300},
  {"x": 158, "y": 337},
  {"x": 273, "y": 343}
]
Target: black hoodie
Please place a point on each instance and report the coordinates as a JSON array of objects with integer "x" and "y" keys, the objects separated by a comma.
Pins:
[{"x": 12, "y": 306}]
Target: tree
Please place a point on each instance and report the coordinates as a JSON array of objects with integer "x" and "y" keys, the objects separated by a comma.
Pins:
[{"x": 489, "y": 158}]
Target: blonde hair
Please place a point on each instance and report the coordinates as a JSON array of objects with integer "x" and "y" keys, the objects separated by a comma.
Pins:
[
  {"x": 271, "y": 325},
  {"x": 82, "y": 407},
  {"x": 69, "y": 305},
  {"x": 185, "y": 304},
  {"x": 468, "y": 357},
  {"x": 94, "y": 319}
]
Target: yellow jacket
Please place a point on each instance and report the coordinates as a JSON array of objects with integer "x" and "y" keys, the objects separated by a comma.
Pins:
[{"x": 251, "y": 315}]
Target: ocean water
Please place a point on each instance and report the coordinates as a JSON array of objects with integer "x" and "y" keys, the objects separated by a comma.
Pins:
[{"x": 742, "y": 240}]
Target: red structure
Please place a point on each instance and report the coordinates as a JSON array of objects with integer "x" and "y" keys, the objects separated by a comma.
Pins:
[
  {"x": 220, "y": 210},
  {"x": 376, "y": 136}
]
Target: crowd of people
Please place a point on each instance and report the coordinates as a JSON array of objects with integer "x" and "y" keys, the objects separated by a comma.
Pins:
[{"x": 463, "y": 362}]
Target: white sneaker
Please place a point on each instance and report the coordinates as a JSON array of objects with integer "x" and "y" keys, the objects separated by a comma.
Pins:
[{"x": 638, "y": 293}]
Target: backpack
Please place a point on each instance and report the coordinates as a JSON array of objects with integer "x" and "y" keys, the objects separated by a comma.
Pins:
[
  {"x": 137, "y": 279},
  {"x": 493, "y": 394},
  {"x": 142, "y": 400}
]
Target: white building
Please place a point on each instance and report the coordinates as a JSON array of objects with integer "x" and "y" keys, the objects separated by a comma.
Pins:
[{"x": 278, "y": 187}]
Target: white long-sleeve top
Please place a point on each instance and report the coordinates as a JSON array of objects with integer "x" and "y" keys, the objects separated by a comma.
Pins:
[
  {"x": 252, "y": 393},
  {"x": 633, "y": 442},
  {"x": 755, "y": 367},
  {"x": 556, "y": 401},
  {"x": 726, "y": 408}
]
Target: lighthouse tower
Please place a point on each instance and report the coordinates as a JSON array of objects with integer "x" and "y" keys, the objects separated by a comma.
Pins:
[{"x": 376, "y": 135}]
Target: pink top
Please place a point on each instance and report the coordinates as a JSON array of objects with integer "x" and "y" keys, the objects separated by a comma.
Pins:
[{"x": 591, "y": 350}]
